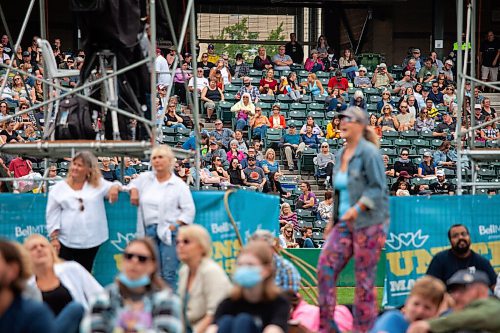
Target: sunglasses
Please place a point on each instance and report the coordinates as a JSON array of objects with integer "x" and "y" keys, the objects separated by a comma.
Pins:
[
  {"x": 324, "y": 146},
  {"x": 82, "y": 207},
  {"x": 404, "y": 154},
  {"x": 403, "y": 107},
  {"x": 183, "y": 241},
  {"x": 129, "y": 256},
  {"x": 218, "y": 124}
]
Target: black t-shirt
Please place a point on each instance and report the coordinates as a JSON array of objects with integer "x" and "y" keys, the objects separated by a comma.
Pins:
[
  {"x": 445, "y": 128},
  {"x": 408, "y": 167},
  {"x": 442, "y": 188},
  {"x": 489, "y": 51},
  {"x": 109, "y": 175},
  {"x": 9, "y": 137},
  {"x": 445, "y": 264},
  {"x": 274, "y": 312},
  {"x": 57, "y": 298},
  {"x": 206, "y": 68}
]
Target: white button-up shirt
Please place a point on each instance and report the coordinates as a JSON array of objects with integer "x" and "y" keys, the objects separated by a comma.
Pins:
[
  {"x": 162, "y": 203},
  {"x": 79, "y": 215}
]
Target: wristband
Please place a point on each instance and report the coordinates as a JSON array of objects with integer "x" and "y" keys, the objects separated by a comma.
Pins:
[{"x": 358, "y": 208}]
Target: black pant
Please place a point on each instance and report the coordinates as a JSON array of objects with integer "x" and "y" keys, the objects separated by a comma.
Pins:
[
  {"x": 329, "y": 169},
  {"x": 84, "y": 257}
]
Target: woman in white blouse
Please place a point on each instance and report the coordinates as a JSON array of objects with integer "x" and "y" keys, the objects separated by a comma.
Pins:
[
  {"x": 75, "y": 214},
  {"x": 164, "y": 204}
]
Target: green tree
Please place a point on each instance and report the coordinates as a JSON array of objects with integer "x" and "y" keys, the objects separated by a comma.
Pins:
[{"x": 240, "y": 31}]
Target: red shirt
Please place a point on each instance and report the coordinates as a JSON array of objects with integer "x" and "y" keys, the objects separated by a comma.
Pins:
[
  {"x": 272, "y": 84},
  {"x": 343, "y": 84},
  {"x": 20, "y": 167}
]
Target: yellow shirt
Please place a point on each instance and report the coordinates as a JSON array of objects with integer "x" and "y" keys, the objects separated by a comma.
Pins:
[
  {"x": 259, "y": 121},
  {"x": 213, "y": 58},
  {"x": 331, "y": 133}
]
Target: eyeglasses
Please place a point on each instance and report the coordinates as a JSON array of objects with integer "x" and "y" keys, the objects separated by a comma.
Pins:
[
  {"x": 324, "y": 146},
  {"x": 129, "y": 256},
  {"x": 183, "y": 241},
  {"x": 217, "y": 160},
  {"x": 82, "y": 207}
]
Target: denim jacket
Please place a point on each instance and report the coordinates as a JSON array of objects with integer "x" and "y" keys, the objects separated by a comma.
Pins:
[
  {"x": 440, "y": 157},
  {"x": 366, "y": 184}
]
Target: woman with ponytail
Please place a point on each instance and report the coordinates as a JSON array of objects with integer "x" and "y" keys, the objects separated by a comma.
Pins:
[{"x": 360, "y": 217}]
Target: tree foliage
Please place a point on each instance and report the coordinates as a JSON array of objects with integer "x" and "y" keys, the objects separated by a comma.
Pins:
[{"x": 241, "y": 31}]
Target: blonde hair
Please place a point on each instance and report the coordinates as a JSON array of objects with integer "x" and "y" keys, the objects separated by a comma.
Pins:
[
  {"x": 44, "y": 240},
  {"x": 90, "y": 161},
  {"x": 270, "y": 150},
  {"x": 264, "y": 253},
  {"x": 284, "y": 205},
  {"x": 164, "y": 150},
  {"x": 430, "y": 288},
  {"x": 200, "y": 235}
]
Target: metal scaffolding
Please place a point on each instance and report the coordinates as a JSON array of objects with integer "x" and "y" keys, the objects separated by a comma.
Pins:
[
  {"x": 472, "y": 153},
  {"x": 58, "y": 149}
]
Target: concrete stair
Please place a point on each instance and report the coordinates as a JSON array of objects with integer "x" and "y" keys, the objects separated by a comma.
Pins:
[{"x": 495, "y": 99}]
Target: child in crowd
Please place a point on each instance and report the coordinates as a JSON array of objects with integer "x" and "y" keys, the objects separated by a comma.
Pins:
[{"x": 423, "y": 302}]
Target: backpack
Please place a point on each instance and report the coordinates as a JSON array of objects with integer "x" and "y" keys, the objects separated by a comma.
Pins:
[{"x": 74, "y": 120}]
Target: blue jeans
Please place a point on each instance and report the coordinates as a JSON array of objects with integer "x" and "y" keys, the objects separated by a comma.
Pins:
[
  {"x": 308, "y": 244},
  {"x": 68, "y": 320},
  {"x": 242, "y": 323},
  {"x": 168, "y": 261},
  {"x": 178, "y": 126},
  {"x": 260, "y": 131},
  {"x": 241, "y": 124}
]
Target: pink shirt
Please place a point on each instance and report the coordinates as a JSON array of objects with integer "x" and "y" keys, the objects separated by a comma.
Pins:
[{"x": 308, "y": 316}]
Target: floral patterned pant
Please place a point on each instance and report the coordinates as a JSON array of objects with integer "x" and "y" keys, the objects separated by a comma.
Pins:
[{"x": 344, "y": 242}]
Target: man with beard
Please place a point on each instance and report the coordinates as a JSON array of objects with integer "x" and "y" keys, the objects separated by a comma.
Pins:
[{"x": 460, "y": 256}]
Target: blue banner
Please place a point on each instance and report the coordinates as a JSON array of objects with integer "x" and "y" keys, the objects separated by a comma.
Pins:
[
  {"x": 24, "y": 214},
  {"x": 418, "y": 230}
]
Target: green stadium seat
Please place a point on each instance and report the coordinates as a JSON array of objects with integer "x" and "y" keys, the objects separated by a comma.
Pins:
[
  {"x": 225, "y": 113},
  {"x": 371, "y": 91},
  {"x": 298, "y": 107},
  {"x": 284, "y": 99},
  {"x": 255, "y": 73},
  {"x": 320, "y": 99},
  {"x": 426, "y": 135},
  {"x": 375, "y": 98},
  {"x": 264, "y": 106},
  {"x": 388, "y": 151},
  {"x": 63, "y": 166},
  {"x": 330, "y": 114},
  {"x": 306, "y": 161},
  {"x": 231, "y": 88},
  {"x": 267, "y": 98},
  {"x": 436, "y": 143},
  {"x": 322, "y": 75},
  {"x": 168, "y": 130},
  {"x": 419, "y": 143},
  {"x": 297, "y": 115},
  {"x": 297, "y": 123},
  {"x": 409, "y": 135},
  {"x": 384, "y": 142},
  {"x": 400, "y": 143},
  {"x": 390, "y": 134},
  {"x": 229, "y": 97},
  {"x": 316, "y": 115}
]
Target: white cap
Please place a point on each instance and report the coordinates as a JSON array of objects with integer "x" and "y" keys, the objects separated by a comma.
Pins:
[{"x": 440, "y": 173}]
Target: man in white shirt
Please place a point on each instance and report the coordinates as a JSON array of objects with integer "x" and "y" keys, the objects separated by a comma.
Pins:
[
  {"x": 201, "y": 81},
  {"x": 162, "y": 69}
]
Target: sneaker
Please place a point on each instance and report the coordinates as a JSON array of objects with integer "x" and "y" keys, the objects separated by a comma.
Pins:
[
  {"x": 327, "y": 182},
  {"x": 290, "y": 168}
]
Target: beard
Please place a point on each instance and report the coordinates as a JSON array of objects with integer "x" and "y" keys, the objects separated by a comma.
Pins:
[{"x": 461, "y": 247}]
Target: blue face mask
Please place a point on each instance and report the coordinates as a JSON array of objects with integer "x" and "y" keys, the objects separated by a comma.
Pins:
[
  {"x": 247, "y": 276},
  {"x": 131, "y": 284}
]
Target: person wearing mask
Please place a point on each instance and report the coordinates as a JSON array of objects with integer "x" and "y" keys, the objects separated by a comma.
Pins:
[
  {"x": 78, "y": 204},
  {"x": 164, "y": 204},
  {"x": 256, "y": 304},
  {"x": 17, "y": 313},
  {"x": 359, "y": 221},
  {"x": 138, "y": 300},
  {"x": 202, "y": 283}
]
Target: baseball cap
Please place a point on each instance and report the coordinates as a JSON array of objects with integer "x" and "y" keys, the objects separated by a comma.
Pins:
[
  {"x": 428, "y": 154},
  {"x": 477, "y": 106},
  {"x": 466, "y": 277},
  {"x": 449, "y": 62},
  {"x": 440, "y": 173},
  {"x": 355, "y": 113},
  {"x": 26, "y": 53},
  {"x": 382, "y": 65},
  {"x": 404, "y": 174},
  {"x": 213, "y": 142},
  {"x": 362, "y": 68},
  {"x": 416, "y": 51},
  {"x": 211, "y": 46},
  {"x": 187, "y": 54},
  {"x": 160, "y": 86},
  {"x": 426, "y": 89},
  {"x": 407, "y": 73},
  {"x": 251, "y": 158},
  {"x": 291, "y": 126}
]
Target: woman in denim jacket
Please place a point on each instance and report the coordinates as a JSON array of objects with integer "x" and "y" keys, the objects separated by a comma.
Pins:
[{"x": 360, "y": 218}]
